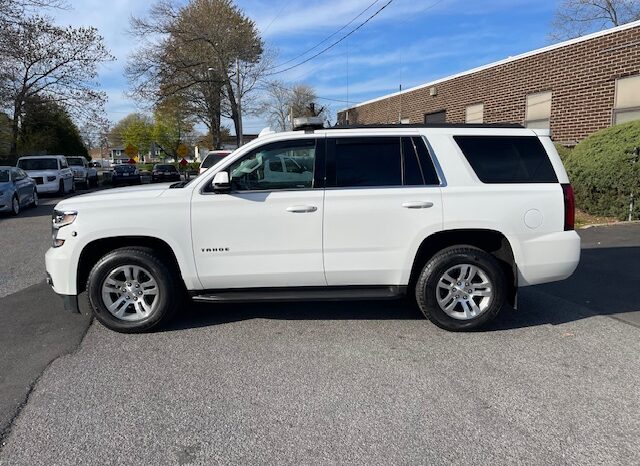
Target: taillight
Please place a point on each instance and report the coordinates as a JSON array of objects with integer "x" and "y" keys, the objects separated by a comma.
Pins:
[{"x": 569, "y": 207}]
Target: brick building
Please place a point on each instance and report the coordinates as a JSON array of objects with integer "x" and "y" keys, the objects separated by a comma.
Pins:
[{"x": 575, "y": 87}]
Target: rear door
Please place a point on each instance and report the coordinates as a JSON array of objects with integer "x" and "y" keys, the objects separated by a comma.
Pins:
[{"x": 382, "y": 199}]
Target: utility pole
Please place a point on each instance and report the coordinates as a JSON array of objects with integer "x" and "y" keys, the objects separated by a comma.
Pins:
[
  {"x": 239, "y": 103},
  {"x": 634, "y": 160}
]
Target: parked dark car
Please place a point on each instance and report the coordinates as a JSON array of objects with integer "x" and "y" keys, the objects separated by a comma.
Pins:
[
  {"x": 165, "y": 172},
  {"x": 125, "y": 174}
]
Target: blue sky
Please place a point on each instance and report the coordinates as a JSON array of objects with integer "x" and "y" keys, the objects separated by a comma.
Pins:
[{"x": 409, "y": 42}]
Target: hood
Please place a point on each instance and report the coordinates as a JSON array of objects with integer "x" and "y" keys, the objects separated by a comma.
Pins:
[{"x": 120, "y": 195}]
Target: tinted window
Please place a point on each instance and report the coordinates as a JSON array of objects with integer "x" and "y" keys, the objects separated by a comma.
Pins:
[
  {"x": 38, "y": 164},
  {"x": 167, "y": 168},
  {"x": 262, "y": 169},
  {"x": 505, "y": 159},
  {"x": 125, "y": 168},
  {"x": 75, "y": 161},
  {"x": 211, "y": 159},
  {"x": 418, "y": 166},
  {"x": 4, "y": 176},
  {"x": 368, "y": 162}
]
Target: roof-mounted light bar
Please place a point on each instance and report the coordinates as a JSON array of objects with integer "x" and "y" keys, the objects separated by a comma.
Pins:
[{"x": 308, "y": 123}]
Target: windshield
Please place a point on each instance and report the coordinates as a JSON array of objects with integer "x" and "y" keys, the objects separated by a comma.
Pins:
[
  {"x": 38, "y": 164},
  {"x": 170, "y": 168},
  {"x": 75, "y": 161},
  {"x": 4, "y": 176},
  {"x": 212, "y": 159}
]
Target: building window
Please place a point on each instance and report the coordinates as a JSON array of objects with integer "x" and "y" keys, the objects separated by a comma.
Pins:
[
  {"x": 474, "y": 114},
  {"x": 538, "y": 114},
  {"x": 627, "y": 104},
  {"x": 436, "y": 117}
]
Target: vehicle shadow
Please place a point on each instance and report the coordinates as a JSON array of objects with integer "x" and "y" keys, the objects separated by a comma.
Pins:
[
  {"x": 605, "y": 283},
  {"x": 29, "y": 212}
]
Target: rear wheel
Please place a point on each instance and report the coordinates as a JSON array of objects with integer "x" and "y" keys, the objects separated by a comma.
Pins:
[
  {"x": 461, "y": 288},
  {"x": 131, "y": 290},
  {"x": 15, "y": 205}
]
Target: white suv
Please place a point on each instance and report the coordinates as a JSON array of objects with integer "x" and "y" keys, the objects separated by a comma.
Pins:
[
  {"x": 458, "y": 216},
  {"x": 50, "y": 172}
]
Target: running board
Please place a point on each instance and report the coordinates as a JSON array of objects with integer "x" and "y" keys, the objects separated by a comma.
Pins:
[{"x": 299, "y": 294}]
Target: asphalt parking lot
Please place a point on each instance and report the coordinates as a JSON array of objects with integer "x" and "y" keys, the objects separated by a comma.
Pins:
[{"x": 366, "y": 382}]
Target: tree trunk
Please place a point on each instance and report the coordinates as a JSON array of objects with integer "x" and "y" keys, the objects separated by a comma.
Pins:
[{"x": 15, "y": 127}]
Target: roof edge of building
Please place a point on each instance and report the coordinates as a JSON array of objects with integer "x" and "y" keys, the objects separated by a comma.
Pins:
[{"x": 548, "y": 48}]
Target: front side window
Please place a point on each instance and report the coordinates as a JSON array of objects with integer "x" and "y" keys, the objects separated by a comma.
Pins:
[
  {"x": 63, "y": 163},
  {"x": 280, "y": 165}
]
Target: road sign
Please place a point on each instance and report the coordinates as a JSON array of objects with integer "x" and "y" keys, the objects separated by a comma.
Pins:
[
  {"x": 131, "y": 151},
  {"x": 182, "y": 151},
  {"x": 183, "y": 162}
]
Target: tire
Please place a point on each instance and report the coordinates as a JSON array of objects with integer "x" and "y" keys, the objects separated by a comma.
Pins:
[
  {"x": 450, "y": 306},
  {"x": 73, "y": 187},
  {"x": 34, "y": 202},
  {"x": 132, "y": 317},
  {"x": 15, "y": 205},
  {"x": 61, "y": 191}
]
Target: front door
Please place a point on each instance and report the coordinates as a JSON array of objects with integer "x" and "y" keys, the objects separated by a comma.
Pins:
[{"x": 266, "y": 232}]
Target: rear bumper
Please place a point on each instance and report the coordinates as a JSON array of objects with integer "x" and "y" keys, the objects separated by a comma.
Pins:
[{"x": 547, "y": 258}]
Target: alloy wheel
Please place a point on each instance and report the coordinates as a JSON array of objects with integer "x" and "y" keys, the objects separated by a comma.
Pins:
[
  {"x": 130, "y": 293},
  {"x": 464, "y": 292}
]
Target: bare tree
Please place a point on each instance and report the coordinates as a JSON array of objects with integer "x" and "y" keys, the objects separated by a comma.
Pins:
[
  {"x": 207, "y": 52},
  {"x": 41, "y": 60},
  {"x": 575, "y": 18},
  {"x": 283, "y": 103}
]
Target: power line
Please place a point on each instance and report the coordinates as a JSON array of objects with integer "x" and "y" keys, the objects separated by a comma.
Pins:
[
  {"x": 326, "y": 38},
  {"x": 272, "y": 83},
  {"x": 336, "y": 42},
  {"x": 284, "y": 5}
]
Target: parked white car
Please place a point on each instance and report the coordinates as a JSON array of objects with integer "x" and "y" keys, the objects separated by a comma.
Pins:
[
  {"x": 83, "y": 174},
  {"x": 458, "y": 216},
  {"x": 50, "y": 172}
]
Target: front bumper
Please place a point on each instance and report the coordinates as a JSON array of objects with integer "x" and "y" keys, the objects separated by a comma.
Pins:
[
  {"x": 70, "y": 302},
  {"x": 48, "y": 187}
]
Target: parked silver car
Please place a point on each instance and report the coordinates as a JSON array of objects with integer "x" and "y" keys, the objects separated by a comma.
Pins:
[{"x": 17, "y": 190}]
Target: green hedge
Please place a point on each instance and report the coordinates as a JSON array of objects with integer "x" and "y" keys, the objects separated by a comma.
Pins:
[{"x": 602, "y": 173}]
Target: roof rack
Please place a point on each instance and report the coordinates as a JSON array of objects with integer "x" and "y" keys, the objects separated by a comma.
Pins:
[{"x": 430, "y": 125}]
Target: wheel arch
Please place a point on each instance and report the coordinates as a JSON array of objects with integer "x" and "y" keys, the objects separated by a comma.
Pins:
[
  {"x": 490, "y": 241},
  {"x": 94, "y": 250}
]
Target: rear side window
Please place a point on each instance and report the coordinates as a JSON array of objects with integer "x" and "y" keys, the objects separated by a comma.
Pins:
[
  {"x": 418, "y": 166},
  {"x": 507, "y": 159},
  {"x": 368, "y": 162}
]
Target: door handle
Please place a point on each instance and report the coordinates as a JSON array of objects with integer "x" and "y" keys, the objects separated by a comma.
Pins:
[
  {"x": 301, "y": 209},
  {"x": 417, "y": 204}
]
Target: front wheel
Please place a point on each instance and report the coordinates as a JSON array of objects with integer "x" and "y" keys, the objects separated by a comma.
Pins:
[
  {"x": 461, "y": 288},
  {"x": 34, "y": 199},
  {"x": 131, "y": 290}
]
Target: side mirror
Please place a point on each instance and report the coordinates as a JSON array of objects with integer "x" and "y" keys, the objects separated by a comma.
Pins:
[{"x": 221, "y": 183}]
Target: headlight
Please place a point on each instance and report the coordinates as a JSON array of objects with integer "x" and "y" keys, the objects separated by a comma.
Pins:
[{"x": 61, "y": 219}]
